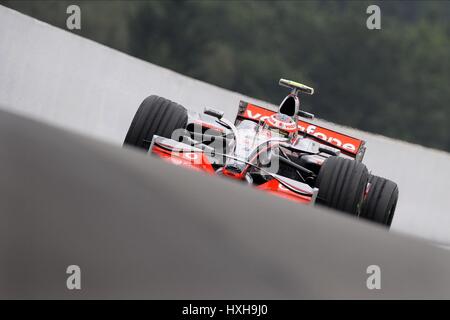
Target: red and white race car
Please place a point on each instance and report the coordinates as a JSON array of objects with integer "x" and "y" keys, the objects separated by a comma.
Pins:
[{"x": 274, "y": 151}]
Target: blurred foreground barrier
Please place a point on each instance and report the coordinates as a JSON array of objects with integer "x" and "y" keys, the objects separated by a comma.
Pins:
[{"x": 133, "y": 230}]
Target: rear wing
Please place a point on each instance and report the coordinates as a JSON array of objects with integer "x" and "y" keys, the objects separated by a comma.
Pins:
[{"x": 350, "y": 146}]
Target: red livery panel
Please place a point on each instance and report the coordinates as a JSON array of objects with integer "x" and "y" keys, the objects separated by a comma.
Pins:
[{"x": 342, "y": 141}]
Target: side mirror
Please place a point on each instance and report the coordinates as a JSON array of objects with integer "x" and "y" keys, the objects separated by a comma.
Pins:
[
  {"x": 214, "y": 113},
  {"x": 305, "y": 114}
]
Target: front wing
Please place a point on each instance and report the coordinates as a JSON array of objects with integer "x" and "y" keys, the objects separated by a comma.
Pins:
[{"x": 197, "y": 159}]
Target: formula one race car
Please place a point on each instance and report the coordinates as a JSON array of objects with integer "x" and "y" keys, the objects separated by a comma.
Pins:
[{"x": 271, "y": 150}]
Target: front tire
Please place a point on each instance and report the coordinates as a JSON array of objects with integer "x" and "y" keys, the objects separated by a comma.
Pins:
[
  {"x": 156, "y": 115},
  {"x": 342, "y": 184},
  {"x": 381, "y": 201}
]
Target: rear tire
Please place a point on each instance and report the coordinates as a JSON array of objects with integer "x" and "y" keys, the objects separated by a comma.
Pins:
[
  {"x": 342, "y": 184},
  {"x": 381, "y": 201},
  {"x": 156, "y": 115}
]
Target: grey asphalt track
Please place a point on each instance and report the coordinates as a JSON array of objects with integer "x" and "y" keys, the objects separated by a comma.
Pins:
[{"x": 142, "y": 228}]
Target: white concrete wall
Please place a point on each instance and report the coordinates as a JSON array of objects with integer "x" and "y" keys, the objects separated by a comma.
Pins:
[{"x": 58, "y": 77}]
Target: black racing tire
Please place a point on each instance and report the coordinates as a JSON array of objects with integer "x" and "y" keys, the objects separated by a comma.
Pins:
[
  {"x": 342, "y": 184},
  {"x": 156, "y": 115},
  {"x": 381, "y": 201}
]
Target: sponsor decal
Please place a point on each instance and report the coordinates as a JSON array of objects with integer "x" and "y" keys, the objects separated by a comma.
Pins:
[{"x": 340, "y": 140}]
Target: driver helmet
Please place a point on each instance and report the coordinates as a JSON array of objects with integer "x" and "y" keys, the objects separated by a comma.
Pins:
[{"x": 282, "y": 124}]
